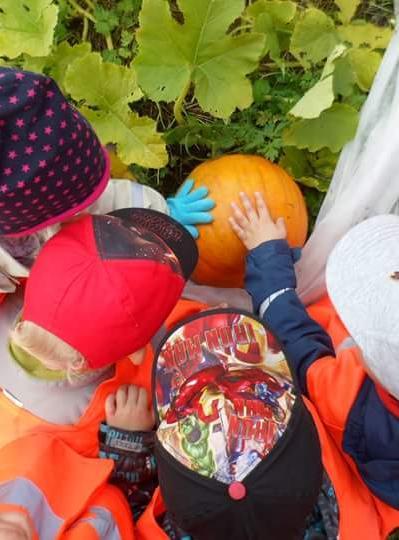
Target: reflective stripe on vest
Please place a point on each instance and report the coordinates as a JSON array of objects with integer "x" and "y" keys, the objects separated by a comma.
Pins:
[
  {"x": 347, "y": 343},
  {"x": 23, "y": 492},
  {"x": 103, "y": 523}
]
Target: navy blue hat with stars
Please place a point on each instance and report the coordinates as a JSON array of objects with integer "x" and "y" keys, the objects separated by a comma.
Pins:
[{"x": 52, "y": 164}]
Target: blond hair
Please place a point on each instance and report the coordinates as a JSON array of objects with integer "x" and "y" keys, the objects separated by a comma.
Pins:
[{"x": 50, "y": 350}]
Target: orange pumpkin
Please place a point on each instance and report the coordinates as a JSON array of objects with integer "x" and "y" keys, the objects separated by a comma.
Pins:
[{"x": 221, "y": 253}]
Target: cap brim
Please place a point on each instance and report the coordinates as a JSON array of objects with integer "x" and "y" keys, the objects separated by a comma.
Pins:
[{"x": 177, "y": 238}]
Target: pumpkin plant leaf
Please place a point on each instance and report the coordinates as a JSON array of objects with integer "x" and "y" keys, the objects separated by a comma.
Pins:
[
  {"x": 347, "y": 9},
  {"x": 106, "y": 106},
  {"x": 27, "y": 27},
  {"x": 295, "y": 162},
  {"x": 332, "y": 129},
  {"x": 135, "y": 137},
  {"x": 198, "y": 52},
  {"x": 361, "y": 34},
  {"x": 272, "y": 17},
  {"x": 314, "y": 37},
  {"x": 321, "y": 96},
  {"x": 320, "y": 184},
  {"x": 316, "y": 100},
  {"x": 63, "y": 56},
  {"x": 365, "y": 64},
  {"x": 34, "y": 63}
]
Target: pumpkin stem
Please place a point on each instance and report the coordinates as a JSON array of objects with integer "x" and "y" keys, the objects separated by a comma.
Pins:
[{"x": 178, "y": 107}]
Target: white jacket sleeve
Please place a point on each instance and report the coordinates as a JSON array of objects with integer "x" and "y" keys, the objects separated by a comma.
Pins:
[{"x": 128, "y": 194}]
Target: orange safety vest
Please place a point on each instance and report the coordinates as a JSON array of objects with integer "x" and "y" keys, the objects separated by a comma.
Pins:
[
  {"x": 62, "y": 494},
  {"x": 82, "y": 437},
  {"x": 345, "y": 372}
]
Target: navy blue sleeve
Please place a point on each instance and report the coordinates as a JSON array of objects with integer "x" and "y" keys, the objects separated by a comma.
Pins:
[{"x": 270, "y": 269}]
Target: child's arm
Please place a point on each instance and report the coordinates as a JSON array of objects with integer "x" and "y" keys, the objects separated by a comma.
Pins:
[
  {"x": 270, "y": 279},
  {"x": 128, "y": 439}
]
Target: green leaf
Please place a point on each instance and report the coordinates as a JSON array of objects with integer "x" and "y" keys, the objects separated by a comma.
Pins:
[
  {"x": 348, "y": 9},
  {"x": 271, "y": 17},
  {"x": 281, "y": 11},
  {"x": 172, "y": 56},
  {"x": 344, "y": 78},
  {"x": 358, "y": 35},
  {"x": 316, "y": 100},
  {"x": 106, "y": 20},
  {"x": 135, "y": 137},
  {"x": 295, "y": 162},
  {"x": 105, "y": 91},
  {"x": 321, "y": 184},
  {"x": 359, "y": 66},
  {"x": 321, "y": 96},
  {"x": 101, "y": 84},
  {"x": 27, "y": 27},
  {"x": 332, "y": 129},
  {"x": 365, "y": 64},
  {"x": 63, "y": 56},
  {"x": 34, "y": 63},
  {"x": 314, "y": 37}
]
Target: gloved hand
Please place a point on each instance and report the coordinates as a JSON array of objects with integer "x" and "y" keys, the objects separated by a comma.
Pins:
[{"x": 190, "y": 209}]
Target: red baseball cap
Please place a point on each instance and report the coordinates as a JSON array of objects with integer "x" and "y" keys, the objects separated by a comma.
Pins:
[{"x": 105, "y": 284}]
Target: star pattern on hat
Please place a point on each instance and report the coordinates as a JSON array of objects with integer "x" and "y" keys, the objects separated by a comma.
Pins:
[{"x": 47, "y": 146}]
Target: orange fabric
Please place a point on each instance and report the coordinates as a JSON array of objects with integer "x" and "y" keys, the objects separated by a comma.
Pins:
[
  {"x": 147, "y": 527},
  {"x": 54, "y": 469},
  {"x": 333, "y": 385},
  {"x": 358, "y": 516},
  {"x": 83, "y": 436},
  {"x": 69, "y": 443}
]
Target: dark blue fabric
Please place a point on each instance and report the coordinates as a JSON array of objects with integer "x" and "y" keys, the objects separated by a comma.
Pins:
[
  {"x": 51, "y": 161},
  {"x": 372, "y": 433},
  {"x": 269, "y": 269},
  {"x": 372, "y": 439}
]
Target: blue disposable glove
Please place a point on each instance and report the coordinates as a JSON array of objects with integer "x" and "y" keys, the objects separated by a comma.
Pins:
[{"x": 191, "y": 208}]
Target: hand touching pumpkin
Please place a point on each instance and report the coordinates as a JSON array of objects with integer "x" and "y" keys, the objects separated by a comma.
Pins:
[{"x": 253, "y": 226}]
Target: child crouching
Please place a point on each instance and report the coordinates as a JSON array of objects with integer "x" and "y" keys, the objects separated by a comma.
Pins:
[
  {"x": 354, "y": 386},
  {"x": 235, "y": 451}
]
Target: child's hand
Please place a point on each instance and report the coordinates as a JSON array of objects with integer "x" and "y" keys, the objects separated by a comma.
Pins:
[
  {"x": 255, "y": 226},
  {"x": 14, "y": 526},
  {"x": 128, "y": 409}
]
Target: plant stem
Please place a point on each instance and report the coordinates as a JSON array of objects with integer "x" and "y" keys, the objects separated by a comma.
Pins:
[
  {"x": 82, "y": 11},
  {"x": 109, "y": 42},
  {"x": 285, "y": 64},
  {"x": 178, "y": 107},
  {"x": 90, "y": 4},
  {"x": 85, "y": 28}
]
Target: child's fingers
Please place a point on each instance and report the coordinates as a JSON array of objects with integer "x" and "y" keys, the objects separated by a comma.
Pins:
[
  {"x": 249, "y": 209},
  {"x": 238, "y": 215},
  {"x": 121, "y": 396},
  {"x": 132, "y": 394},
  {"x": 110, "y": 406},
  {"x": 236, "y": 228},
  {"x": 261, "y": 207},
  {"x": 280, "y": 224},
  {"x": 142, "y": 400}
]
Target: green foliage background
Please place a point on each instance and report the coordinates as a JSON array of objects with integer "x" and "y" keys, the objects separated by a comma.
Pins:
[{"x": 173, "y": 82}]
